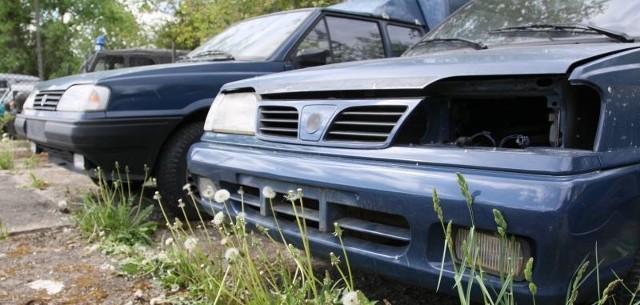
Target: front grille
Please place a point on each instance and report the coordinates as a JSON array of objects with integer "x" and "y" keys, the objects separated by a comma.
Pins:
[
  {"x": 280, "y": 121},
  {"x": 371, "y": 124},
  {"x": 47, "y": 100},
  {"x": 320, "y": 209}
]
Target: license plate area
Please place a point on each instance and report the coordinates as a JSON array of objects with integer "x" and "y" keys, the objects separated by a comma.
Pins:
[{"x": 35, "y": 130}]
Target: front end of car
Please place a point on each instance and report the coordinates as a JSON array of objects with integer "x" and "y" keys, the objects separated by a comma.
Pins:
[
  {"x": 368, "y": 155},
  {"x": 68, "y": 119}
]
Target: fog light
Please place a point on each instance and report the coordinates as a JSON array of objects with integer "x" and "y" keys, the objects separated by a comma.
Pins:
[
  {"x": 78, "y": 161},
  {"x": 495, "y": 255}
]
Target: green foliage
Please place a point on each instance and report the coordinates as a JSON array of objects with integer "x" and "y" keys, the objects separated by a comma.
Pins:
[
  {"x": 36, "y": 182},
  {"x": 197, "y": 20},
  {"x": 114, "y": 215},
  {"x": 67, "y": 28},
  {"x": 6, "y": 160},
  {"x": 6, "y": 153},
  {"x": 3, "y": 232}
]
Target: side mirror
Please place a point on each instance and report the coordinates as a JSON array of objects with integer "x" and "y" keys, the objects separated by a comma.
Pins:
[{"x": 312, "y": 57}]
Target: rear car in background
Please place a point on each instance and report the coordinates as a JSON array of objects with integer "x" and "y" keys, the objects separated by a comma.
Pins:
[
  {"x": 535, "y": 103},
  {"x": 147, "y": 117},
  {"x": 14, "y": 89},
  {"x": 124, "y": 58}
]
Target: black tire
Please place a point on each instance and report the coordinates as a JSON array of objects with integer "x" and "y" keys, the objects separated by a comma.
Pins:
[
  {"x": 633, "y": 278},
  {"x": 630, "y": 282},
  {"x": 171, "y": 170}
]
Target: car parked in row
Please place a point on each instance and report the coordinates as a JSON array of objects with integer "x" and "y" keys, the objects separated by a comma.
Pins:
[
  {"x": 535, "y": 103},
  {"x": 149, "y": 116}
]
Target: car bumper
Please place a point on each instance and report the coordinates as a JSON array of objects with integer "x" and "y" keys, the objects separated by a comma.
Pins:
[
  {"x": 84, "y": 145},
  {"x": 391, "y": 226}
]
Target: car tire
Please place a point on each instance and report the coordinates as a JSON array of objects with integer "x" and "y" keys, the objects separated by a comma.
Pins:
[
  {"x": 631, "y": 281},
  {"x": 171, "y": 170}
]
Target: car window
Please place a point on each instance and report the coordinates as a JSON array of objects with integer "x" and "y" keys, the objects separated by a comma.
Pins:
[
  {"x": 354, "y": 39},
  {"x": 402, "y": 38},
  {"x": 135, "y": 61},
  {"x": 317, "y": 41},
  {"x": 109, "y": 63},
  {"x": 255, "y": 39}
]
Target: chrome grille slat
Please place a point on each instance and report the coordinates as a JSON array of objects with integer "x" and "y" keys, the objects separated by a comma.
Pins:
[
  {"x": 361, "y": 134},
  {"x": 47, "y": 100},
  {"x": 371, "y": 124},
  {"x": 363, "y": 123},
  {"x": 278, "y": 121}
]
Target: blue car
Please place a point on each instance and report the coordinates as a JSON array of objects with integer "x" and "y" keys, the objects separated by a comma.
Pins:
[{"x": 535, "y": 103}]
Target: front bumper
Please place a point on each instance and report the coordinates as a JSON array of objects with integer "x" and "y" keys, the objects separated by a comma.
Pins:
[
  {"x": 98, "y": 142},
  {"x": 386, "y": 211}
]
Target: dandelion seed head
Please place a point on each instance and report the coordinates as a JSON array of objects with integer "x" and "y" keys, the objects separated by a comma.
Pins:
[
  {"x": 268, "y": 192},
  {"x": 241, "y": 216},
  {"x": 350, "y": 298},
  {"x": 180, "y": 203},
  {"x": 231, "y": 254},
  {"x": 190, "y": 243},
  {"x": 292, "y": 195},
  {"x": 156, "y": 196},
  {"x": 221, "y": 196},
  {"x": 168, "y": 241},
  {"x": 208, "y": 192},
  {"x": 241, "y": 191},
  {"x": 218, "y": 219},
  {"x": 186, "y": 187},
  {"x": 223, "y": 241}
]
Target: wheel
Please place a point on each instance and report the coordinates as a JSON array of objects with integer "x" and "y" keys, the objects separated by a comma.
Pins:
[
  {"x": 633, "y": 278},
  {"x": 171, "y": 169},
  {"x": 631, "y": 282}
]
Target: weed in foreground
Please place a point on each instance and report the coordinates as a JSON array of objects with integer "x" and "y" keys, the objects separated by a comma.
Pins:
[
  {"x": 36, "y": 182},
  {"x": 3, "y": 232},
  {"x": 6, "y": 154},
  {"x": 221, "y": 262},
  {"x": 115, "y": 215}
]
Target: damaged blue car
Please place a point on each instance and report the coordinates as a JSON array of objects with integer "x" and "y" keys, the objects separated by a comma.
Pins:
[{"x": 534, "y": 102}]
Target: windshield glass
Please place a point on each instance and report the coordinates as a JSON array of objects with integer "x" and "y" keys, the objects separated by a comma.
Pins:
[
  {"x": 488, "y": 22},
  {"x": 253, "y": 39}
]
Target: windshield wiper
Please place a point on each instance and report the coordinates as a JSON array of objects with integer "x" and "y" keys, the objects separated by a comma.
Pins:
[
  {"x": 212, "y": 55},
  {"x": 550, "y": 27},
  {"x": 475, "y": 45}
]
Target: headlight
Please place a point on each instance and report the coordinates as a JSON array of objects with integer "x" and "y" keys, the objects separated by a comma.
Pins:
[
  {"x": 84, "y": 98},
  {"x": 28, "y": 103},
  {"x": 233, "y": 113}
]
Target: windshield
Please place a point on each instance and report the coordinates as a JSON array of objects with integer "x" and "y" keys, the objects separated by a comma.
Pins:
[
  {"x": 494, "y": 22},
  {"x": 252, "y": 39}
]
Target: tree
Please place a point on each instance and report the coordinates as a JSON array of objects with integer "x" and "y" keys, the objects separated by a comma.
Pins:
[
  {"x": 68, "y": 29},
  {"x": 197, "y": 20}
]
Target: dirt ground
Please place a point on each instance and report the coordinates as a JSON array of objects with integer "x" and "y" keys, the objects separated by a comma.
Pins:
[{"x": 44, "y": 260}]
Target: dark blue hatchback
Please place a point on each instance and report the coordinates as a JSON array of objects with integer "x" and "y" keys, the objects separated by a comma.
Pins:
[{"x": 534, "y": 102}]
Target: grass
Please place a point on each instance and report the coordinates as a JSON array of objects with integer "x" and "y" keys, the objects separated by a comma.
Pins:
[
  {"x": 36, "y": 182},
  {"x": 6, "y": 154},
  {"x": 217, "y": 262},
  {"x": 3, "y": 232},
  {"x": 115, "y": 215}
]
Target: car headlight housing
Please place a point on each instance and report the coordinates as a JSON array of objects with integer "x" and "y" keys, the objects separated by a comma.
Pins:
[
  {"x": 84, "y": 98},
  {"x": 28, "y": 103},
  {"x": 233, "y": 113}
]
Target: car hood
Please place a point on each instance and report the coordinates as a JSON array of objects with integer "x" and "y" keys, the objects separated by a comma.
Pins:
[
  {"x": 420, "y": 71},
  {"x": 193, "y": 68}
]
